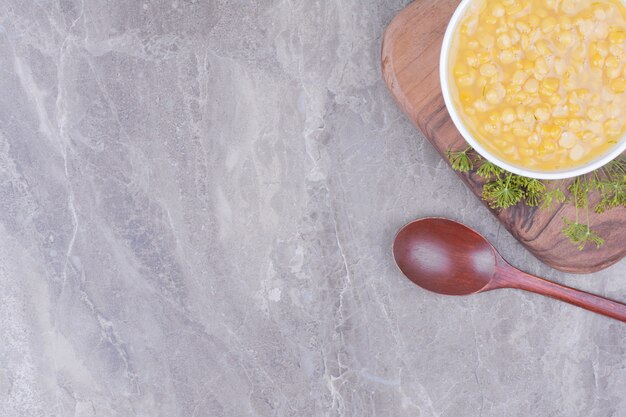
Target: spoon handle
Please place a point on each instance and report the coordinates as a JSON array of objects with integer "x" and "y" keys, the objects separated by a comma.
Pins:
[{"x": 514, "y": 278}]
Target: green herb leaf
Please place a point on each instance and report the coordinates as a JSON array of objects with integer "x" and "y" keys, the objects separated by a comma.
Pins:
[
  {"x": 555, "y": 195},
  {"x": 503, "y": 192},
  {"x": 581, "y": 234},
  {"x": 504, "y": 189},
  {"x": 489, "y": 170},
  {"x": 460, "y": 160}
]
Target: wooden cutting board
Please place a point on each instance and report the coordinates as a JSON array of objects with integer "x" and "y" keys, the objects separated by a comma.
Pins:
[{"x": 410, "y": 58}]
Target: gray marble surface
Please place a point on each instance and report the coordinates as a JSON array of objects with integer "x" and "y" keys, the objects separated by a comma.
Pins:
[{"x": 197, "y": 201}]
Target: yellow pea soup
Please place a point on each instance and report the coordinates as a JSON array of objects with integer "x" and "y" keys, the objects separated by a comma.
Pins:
[{"x": 542, "y": 83}]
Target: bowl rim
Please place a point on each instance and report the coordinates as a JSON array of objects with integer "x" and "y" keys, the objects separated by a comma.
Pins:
[{"x": 444, "y": 74}]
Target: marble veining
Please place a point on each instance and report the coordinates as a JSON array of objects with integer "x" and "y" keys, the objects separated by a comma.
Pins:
[{"x": 197, "y": 201}]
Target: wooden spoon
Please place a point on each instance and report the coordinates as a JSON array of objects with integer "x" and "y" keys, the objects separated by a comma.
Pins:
[{"x": 447, "y": 257}]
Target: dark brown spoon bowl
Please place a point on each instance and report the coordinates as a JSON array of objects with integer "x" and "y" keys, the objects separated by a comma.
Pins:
[{"x": 447, "y": 257}]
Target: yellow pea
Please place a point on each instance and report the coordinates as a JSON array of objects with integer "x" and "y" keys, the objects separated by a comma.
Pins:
[
  {"x": 560, "y": 121},
  {"x": 534, "y": 140},
  {"x": 582, "y": 93},
  {"x": 587, "y": 136},
  {"x": 542, "y": 46},
  {"x": 466, "y": 97},
  {"x": 481, "y": 105},
  {"x": 571, "y": 7},
  {"x": 565, "y": 22},
  {"x": 486, "y": 40},
  {"x": 568, "y": 140},
  {"x": 510, "y": 150},
  {"x": 599, "y": 11},
  {"x": 527, "y": 151},
  {"x": 504, "y": 41},
  {"x": 597, "y": 140},
  {"x": 508, "y": 115},
  {"x": 466, "y": 80},
  {"x": 612, "y": 127},
  {"x": 577, "y": 152},
  {"x": 494, "y": 117},
  {"x": 550, "y": 84},
  {"x": 519, "y": 77},
  {"x": 550, "y": 131},
  {"x": 546, "y": 146},
  {"x": 601, "y": 48},
  {"x": 601, "y": 30},
  {"x": 617, "y": 36},
  {"x": 574, "y": 108},
  {"x": 566, "y": 38},
  {"x": 542, "y": 113},
  {"x": 520, "y": 98},
  {"x": 522, "y": 27},
  {"x": 575, "y": 125},
  {"x": 548, "y": 24},
  {"x": 594, "y": 113},
  {"x": 555, "y": 131},
  {"x": 525, "y": 41},
  {"x": 508, "y": 56},
  {"x": 617, "y": 50},
  {"x": 560, "y": 66},
  {"x": 554, "y": 99},
  {"x": 459, "y": 69},
  {"x": 612, "y": 72},
  {"x": 541, "y": 66},
  {"x": 483, "y": 57},
  {"x": 611, "y": 62},
  {"x": 526, "y": 64},
  {"x": 618, "y": 85},
  {"x": 472, "y": 59},
  {"x": 596, "y": 60},
  {"x": 532, "y": 54},
  {"x": 531, "y": 86},
  {"x": 491, "y": 20},
  {"x": 495, "y": 93},
  {"x": 493, "y": 128},
  {"x": 585, "y": 27},
  {"x": 514, "y": 9},
  {"x": 488, "y": 70},
  {"x": 533, "y": 20},
  {"x": 497, "y": 10}
]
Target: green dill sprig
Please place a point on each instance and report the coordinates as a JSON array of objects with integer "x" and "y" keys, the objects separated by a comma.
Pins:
[
  {"x": 488, "y": 170},
  {"x": 461, "y": 160},
  {"x": 579, "y": 190},
  {"x": 612, "y": 193},
  {"x": 611, "y": 184},
  {"x": 581, "y": 234},
  {"x": 534, "y": 190},
  {"x": 555, "y": 195},
  {"x": 503, "y": 189},
  {"x": 503, "y": 192}
]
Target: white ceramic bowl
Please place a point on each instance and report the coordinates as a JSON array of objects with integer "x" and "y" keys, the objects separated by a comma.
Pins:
[{"x": 444, "y": 74}]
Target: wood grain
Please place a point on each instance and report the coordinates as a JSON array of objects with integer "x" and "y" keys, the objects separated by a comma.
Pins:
[{"x": 410, "y": 58}]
